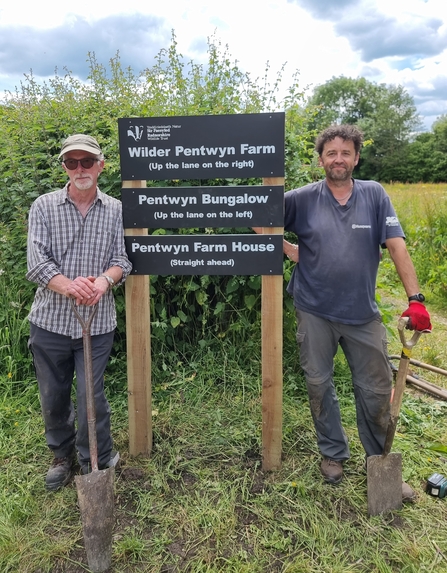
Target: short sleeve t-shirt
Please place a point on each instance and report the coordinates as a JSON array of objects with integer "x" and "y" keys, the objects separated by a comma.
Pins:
[{"x": 339, "y": 249}]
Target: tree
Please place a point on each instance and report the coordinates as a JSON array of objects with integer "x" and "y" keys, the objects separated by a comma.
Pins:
[
  {"x": 426, "y": 156},
  {"x": 344, "y": 100},
  {"x": 440, "y": 133}
]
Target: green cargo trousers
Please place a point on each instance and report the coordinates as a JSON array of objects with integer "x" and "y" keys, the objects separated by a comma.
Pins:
[{"x": 365, "y": 348}]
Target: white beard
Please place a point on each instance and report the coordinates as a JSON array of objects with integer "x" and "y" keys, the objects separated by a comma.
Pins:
[{"x": 83, "y": 183}]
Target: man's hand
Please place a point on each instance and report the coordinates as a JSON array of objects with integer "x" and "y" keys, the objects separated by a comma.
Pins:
[
  {"x": 418, "y": 315},
  {"x": 87, "y": 290},
  {"x": 291, "y": 251},
  {"x": 82, "y": 289}
]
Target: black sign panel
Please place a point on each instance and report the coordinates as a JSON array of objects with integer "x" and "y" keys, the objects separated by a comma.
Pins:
[
  {"x": 206, "y": 254},
  {"x": 202, "y": 147},
  {"x": 188, "y": 207}
]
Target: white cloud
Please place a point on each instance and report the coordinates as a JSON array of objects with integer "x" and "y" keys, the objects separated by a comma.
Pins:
[{"x": 402, "y": 41}]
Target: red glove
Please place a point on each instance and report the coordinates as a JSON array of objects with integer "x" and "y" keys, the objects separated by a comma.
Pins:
[{"x": 418, "y": 315}]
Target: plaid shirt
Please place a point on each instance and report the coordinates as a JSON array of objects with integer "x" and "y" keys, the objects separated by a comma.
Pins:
[{"x": 61, "y": 241}]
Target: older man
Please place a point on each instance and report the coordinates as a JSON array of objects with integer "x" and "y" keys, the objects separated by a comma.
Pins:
[{"x": 75, "y": 250}]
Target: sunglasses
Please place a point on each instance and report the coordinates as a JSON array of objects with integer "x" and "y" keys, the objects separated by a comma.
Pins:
[{"x": 86, "y": 163}]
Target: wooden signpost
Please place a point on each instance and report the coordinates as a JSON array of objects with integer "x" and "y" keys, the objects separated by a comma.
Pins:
[
  {"x": 272, "y": 368},
  {"x": 138, "y": 334},
  {"x": 208, "y": 147}
]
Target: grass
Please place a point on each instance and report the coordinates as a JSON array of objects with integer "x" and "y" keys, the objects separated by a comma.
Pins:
[
  {"x": 201, "y": 502},
  {"x": 421, "y": 207},
  {"x": 413, "y": 201},
  {"x": 422, "y": 210}
]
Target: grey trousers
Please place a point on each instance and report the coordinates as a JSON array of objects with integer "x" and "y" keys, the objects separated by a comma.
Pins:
[
  {"x": 365, "y": 349},
  {"x": 56, "y": 358}
]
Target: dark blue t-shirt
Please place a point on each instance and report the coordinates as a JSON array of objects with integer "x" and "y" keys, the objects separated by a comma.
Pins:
[{"x": 339, "y": 249}]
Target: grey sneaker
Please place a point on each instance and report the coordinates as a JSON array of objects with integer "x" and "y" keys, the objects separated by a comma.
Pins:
[
  {"x": 113, "y": 462},
  {"x": 408, "y": 494},
  {"x": 332, "y": 470},
  {"x": 59, "y": 474}
]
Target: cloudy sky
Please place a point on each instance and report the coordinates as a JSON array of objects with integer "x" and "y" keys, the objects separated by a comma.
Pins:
[{"x": 386, "y": 41}]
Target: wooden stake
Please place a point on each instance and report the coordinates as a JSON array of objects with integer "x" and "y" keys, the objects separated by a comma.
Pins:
[
  {"x": 138, "y": 354},
  {"x": 272, "y": 348}
]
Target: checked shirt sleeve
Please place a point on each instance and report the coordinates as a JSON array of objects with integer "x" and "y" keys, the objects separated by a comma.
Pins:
[
  {"x": 119, "y": 255},
  {"x": 42, "y": 266}
]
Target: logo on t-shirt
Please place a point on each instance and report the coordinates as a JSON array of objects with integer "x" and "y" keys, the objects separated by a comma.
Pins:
[
  {"x": 392, "y": 222},
  {"x": 354, "y": 226}
]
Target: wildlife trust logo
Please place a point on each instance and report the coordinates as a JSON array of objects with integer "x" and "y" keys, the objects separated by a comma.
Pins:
[
  {"x": 136, "y": 132},
  {"x": 392, "y": 222}
]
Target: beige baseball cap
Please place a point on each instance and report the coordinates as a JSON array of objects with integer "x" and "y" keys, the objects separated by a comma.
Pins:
[{"x": 81, "y": 142}]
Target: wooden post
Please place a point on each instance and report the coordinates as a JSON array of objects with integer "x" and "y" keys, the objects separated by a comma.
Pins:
[
  {"x": 138, "y": 335},
  {"x": 272, "y": 349}
]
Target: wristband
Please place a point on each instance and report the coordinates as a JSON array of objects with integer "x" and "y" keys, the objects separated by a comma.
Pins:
[{"x": 108, "y": 279}]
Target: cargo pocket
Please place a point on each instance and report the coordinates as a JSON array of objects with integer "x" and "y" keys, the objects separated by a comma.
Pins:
[{"x": 300, "y": 336}]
